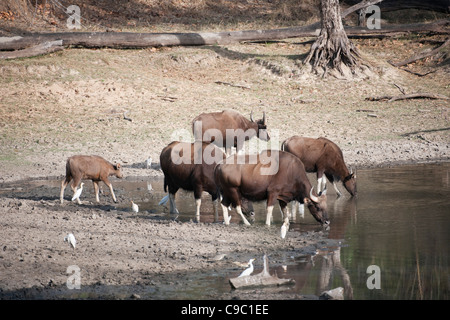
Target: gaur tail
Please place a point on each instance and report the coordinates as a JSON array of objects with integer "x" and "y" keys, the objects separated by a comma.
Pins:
[
  {"x": 68, "y": 171},
  {"x": 165, "y": 184}
]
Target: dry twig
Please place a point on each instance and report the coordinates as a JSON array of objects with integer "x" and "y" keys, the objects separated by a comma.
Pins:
[{"x": 409, "y": 96}]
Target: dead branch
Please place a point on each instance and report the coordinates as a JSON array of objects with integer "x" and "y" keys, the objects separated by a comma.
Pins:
[
  {"x": 261, "y": 279},
  {"x": 232, "y": 85},
  {"x": 418, "y": 73},
  {"x": 421, "y": 55},
  {"x": 400, "y": 88},
  {"x": 126, "y": 117},
  {"x": 145, "y": 40},
  {"x": 409, "y": 96},
  {"x": 40, "y": 49}
]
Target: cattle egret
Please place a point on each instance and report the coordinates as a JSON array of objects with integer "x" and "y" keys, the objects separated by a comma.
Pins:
[
  {"x": 284, "y": 228},
  {"x": 164, "y": 200},
  {"x": 71, "y": 239},
  {"x": 249, "y": 270},
  {"x": 134, "y": 206},
  {"x": 149, "y": 162},
  {"x": 78, "y": 193}
]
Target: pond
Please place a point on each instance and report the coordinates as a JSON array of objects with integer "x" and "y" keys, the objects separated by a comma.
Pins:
[{"x": 395, "y": 237}]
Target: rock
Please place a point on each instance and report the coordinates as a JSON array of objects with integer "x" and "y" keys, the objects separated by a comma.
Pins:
[
  {"x": 135, "y": 296},
  {"x": 333, "y": 294}
]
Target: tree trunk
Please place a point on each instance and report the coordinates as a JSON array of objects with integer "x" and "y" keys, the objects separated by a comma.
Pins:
[{"x": 332, "y": 49}]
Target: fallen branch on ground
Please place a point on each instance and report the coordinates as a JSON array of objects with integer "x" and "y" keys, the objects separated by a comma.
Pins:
[
  {"x": 409, "y": 96},
  {"x": 261, "y": 279},
  {"x": 232, "y": 85},
  {"x": 126, "y": 117},
  {"x": 421, "y": 55},
  {"x": 122, "y": 40},
  {"x": 37, "y": 50},
  {"x": 418, "y": 73}
]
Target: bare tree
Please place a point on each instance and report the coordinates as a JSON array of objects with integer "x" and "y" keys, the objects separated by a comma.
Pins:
[{"x": 332, "y": 49}]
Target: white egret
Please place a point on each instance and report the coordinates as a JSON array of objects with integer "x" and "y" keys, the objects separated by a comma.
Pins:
[
  {"x": 164, "y": 200},
  {"x": 149, "y": 162},
  {"x": 71, "y": 239},
  {"x": 284, "y": 229},
  {"x": 78, "y": 193},
  {"x": 134, "y": 207},
  {"x": 249, "y": 270}
]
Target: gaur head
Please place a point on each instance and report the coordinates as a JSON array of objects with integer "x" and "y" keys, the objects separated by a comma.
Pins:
[
  {"x": 118, "y": 171},
  {"x": 350, "y": 183},
  {"x": 247, "y": 208},
  {"x": 317, "y": 206},
  {"x": 262, "y": 127}
]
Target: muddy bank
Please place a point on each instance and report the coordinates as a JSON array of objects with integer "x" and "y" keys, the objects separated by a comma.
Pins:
[{"x": 123, "y": 255}]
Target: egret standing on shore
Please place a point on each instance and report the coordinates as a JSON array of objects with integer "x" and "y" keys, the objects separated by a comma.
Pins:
[
  {"x": 284, "y": 229},
  {"x": 249, "y": 270},
  {"x": 78, "y": 192},
  {"x": 134, "y": 206},
  {"x": 71, "y": 239}
]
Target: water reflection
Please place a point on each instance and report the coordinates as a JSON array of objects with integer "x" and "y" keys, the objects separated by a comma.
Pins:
[{"x": 399, "y": 222}]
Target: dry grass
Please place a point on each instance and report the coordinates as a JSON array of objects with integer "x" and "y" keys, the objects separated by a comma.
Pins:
[{"x": 73, "y": 101}]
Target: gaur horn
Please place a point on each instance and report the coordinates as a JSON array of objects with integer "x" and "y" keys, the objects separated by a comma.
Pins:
[
  {"x": 313, "y": 197},
  {"x": 251, "y": 117}
]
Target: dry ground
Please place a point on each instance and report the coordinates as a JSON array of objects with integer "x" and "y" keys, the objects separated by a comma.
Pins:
[{"x": 72, "y": 102}]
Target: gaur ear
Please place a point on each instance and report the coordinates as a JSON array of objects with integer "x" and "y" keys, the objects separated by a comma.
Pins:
[
  {"x": 117, "y": 166},
  {"x": 306, "y": 200}
]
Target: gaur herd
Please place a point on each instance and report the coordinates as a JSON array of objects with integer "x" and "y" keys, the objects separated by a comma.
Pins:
[{"x": 235, "y": 180}]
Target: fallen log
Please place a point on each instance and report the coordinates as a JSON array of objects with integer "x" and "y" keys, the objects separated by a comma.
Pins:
[
  {"x": 40, "y": 49},
  {"x": 122, "y": 40},
  {"x": 261, "y": 279},
  {"x": 409, "y": 96}
]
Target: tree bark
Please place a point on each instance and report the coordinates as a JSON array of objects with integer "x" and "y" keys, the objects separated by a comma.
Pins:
[{"x": 332, "y": 49}]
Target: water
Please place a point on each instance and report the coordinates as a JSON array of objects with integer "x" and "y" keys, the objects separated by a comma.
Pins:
[{"x": 399, "y": 223}]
